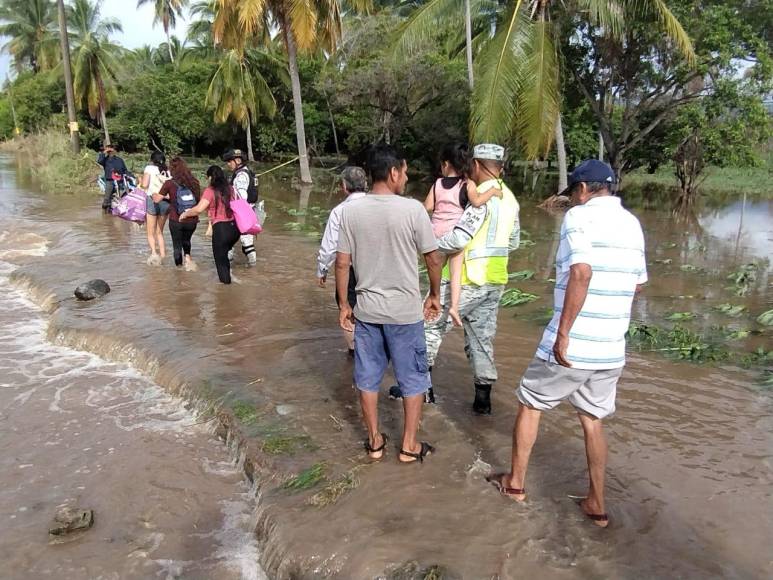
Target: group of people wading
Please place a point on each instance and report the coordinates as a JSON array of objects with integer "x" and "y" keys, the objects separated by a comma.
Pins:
[
  {"x": 374, "y": 238},
  {"x": 175, "y": 196}
]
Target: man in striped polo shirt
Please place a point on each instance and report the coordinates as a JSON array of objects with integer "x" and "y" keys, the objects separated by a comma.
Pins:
[{"x": 599, "y": 268}]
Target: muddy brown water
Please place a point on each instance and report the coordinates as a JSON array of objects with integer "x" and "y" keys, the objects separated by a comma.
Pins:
[{"x": 690, "y": 446}]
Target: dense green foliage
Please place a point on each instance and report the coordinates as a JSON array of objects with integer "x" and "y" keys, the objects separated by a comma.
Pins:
[{"x": 621, "y": 76}]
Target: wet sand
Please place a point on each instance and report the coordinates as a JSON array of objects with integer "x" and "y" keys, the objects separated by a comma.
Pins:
[{"x": 690, "y": 465}]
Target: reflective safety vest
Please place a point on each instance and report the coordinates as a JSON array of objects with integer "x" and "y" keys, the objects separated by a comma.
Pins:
[{"x": 485, "y": 257}]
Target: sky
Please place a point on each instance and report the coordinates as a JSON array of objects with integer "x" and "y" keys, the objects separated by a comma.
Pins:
[{"x": 137, "y": 24}]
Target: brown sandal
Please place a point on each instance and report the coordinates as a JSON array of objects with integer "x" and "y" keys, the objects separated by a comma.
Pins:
[
  {"x": 426, "y": 449},
  {"x": 496, "y": 481}
]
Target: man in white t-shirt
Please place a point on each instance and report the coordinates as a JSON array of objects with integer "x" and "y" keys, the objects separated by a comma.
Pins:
[{"x": 600, "y": 266}]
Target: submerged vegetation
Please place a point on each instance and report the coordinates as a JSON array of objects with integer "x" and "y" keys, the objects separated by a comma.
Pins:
[
  {"x": 307, "y": 478},
  {"x": 516, "y": 297}
]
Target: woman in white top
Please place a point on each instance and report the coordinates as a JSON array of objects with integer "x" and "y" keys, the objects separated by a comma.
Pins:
[{"x": 153, "y": 177}]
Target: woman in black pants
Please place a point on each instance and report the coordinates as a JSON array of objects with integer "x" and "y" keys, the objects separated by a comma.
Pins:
[
  {"x": 182, "y": 192},
  {"x": 216, "y": 201}
]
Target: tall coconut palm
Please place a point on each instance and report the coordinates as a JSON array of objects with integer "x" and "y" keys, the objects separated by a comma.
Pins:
[
  {"x": 31, "y": 29},
  {"x": 167, "y": 12},
  {"x": 239, "y": 91},
  {"x": 94, "y": 58},
  {"x": 303, "y": 26}
]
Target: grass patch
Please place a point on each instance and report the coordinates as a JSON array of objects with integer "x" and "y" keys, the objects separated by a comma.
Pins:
[
  {"x": 284, "y": 444},
  {"x": 307, "y": 478},
  {"x": 521, "y": 275},
  {"x": 245, "y": 412},
  {"x": 335, "y": 490},
  {"x": 56, "y": 168}
]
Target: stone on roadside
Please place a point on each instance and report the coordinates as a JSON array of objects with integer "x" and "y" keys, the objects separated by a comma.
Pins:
[
  {"x": 91, "y": 290},
  {"x": 68, "y": 520}
]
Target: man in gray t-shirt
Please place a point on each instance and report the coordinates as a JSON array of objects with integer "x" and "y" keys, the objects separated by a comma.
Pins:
[{"x": 381, "y": 237}]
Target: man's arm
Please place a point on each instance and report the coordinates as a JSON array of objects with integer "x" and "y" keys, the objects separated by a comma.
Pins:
[
  {"x": 469, "y": 224},
  {"x": 101, "y": 158},
  {"x": 345, "y": 315},
  {"x": 515, "y": 235},
  {"x": 241, "y": 184},
  {"x": 327, "y": 248},
  {"x": 434, "y": 261},
  {"x": 574, "y": 297}
]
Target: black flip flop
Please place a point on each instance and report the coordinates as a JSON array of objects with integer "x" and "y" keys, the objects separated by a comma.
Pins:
[
  {"x": 426, "y": 449},
  {"x": 382, "y": 447}
]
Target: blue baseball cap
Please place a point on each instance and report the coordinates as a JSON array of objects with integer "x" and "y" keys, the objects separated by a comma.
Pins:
[{"x": 590, "y": 170}]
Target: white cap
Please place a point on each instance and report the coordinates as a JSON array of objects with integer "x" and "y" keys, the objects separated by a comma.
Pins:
[{"x": 489, "y": 151}]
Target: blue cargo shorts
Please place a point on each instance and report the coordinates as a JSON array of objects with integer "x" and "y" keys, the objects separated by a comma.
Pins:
[{"x": 376, "y": 344}]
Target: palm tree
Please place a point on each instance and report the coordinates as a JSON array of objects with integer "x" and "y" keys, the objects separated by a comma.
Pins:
[
  {"x": 167, "y": 12},
  {"x": 31, "y": 29},
  {"x": 517, "y": 89},
  {"x": 239, "y": 91},
  {"x": 171, "y": 51},
  {"x": 95, "y": 64},
  {"x": 303, "y": 26}
]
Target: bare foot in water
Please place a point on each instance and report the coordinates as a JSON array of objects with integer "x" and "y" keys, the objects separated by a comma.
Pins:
[
  {"x": 154, "y": 260},
  {"x": 455, "y": 318},
  {"x": 190, "y": 265},
  {"x": 594, "y": 512}
]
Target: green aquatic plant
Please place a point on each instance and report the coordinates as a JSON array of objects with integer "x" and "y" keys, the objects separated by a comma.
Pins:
[
  {"x": 757, "y": 357},
  {"x": 668, "y": 245},
  {"x": 678, "y": 342},
  {"x": 527, "y": 243},
  {"x": 743, "y": 279},
  {"x": 680, "y": 316},
  {"x": 766, "y": 318},
  {"x": 690, "y": 268},
  {"x": 293, "y": 226},
  {"x": 664, "y": 261},
  {"x": 738, "y": 334},
  {"x": 516, "y": 297},
  {"x": 730, "y": 309},
  {"x": 521, "y": 275},
  {"x": 307, "y": 478}
]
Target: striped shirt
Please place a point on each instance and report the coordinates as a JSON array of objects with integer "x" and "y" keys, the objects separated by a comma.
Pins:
[{"x": 607, "y": 237}]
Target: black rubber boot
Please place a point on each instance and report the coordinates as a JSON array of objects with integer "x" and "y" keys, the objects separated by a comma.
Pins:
[{"x": 482, "y": 403}]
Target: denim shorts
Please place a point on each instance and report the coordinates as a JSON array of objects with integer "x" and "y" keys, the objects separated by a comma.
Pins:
[
  {"x": 160, "y": 208},
  {"x": 376, "y": 344}
]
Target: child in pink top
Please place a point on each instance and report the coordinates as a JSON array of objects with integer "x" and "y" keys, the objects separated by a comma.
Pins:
[{"x": 446, "y": 201}]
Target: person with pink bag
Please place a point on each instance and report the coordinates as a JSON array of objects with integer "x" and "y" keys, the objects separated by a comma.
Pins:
[{"x": 218, "y": 200}]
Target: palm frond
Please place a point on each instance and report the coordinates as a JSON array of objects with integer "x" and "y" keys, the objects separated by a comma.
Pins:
[
  {"x": 498, "y": 79},
  {"x": 425, "y": 22},
  {"x": 539, "y": 94},
  {"x": 302, "y": 16},
  {"x": 668, "y": 22},
  {"x": 607, "y": 14}
]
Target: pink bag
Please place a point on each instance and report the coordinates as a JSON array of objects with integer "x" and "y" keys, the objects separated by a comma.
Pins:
[
  {"x": 245, "y": 217},
  {"x": 132, "y": 206}
]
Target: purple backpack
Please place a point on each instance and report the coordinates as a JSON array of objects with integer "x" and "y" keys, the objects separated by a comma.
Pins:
[{"x": 131, "y": 207}]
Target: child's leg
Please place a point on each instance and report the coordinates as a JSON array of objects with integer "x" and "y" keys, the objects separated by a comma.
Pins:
[{"x": 455, "y": 262}]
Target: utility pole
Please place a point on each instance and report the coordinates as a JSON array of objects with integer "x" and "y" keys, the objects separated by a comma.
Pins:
[{"x": 73, "y": 123}]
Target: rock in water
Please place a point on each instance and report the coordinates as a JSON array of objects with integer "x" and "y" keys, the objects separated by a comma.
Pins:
[
  {"x": 93, "y": 289},
  {"x": 68, "y": 520}
]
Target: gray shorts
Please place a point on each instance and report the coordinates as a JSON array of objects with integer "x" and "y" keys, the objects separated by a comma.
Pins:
[{"x": 544, "y": 385}]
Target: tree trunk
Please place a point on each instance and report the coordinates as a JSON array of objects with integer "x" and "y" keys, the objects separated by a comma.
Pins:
[
  {"x": 561, "y": 156},
  {"x": 333, "y": 126},
  {"x": 248, "y": 128},
  {"x": 169, "y": 46},
  {"x": 104, "y": 123},
  {"x": 601, "y": 147},
  {"x": 75, "y": 142},
  {"x": 468, "y": 41},
  {"x": 102, "y": 105},
  {"x": 295, "y": 80}
]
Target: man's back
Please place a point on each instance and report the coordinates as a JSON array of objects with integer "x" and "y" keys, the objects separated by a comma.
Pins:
[
  {"x": 607, "y": 237},
  {"x": 384, "y": 235}
]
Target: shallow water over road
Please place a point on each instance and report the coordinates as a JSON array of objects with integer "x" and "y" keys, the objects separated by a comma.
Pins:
[{"x": 691, "y": 446}]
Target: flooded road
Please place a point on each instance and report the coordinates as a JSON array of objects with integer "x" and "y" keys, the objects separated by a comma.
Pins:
[{"x": 691, "y": 445}]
